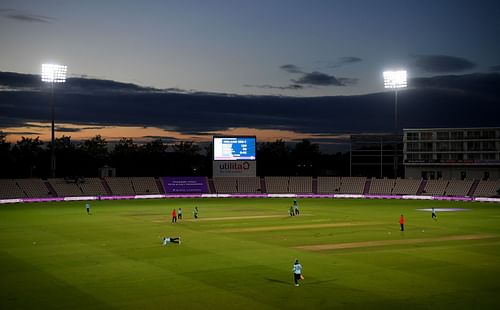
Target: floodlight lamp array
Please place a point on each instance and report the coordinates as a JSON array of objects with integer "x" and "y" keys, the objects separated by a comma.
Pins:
[
  {"x": 54, "y": 73},
  {"x": 395, "y": 79}
]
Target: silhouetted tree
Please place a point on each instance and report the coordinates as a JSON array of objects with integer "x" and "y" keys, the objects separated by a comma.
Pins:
[
  {"x": 306, "y": 157},
  {"x": 27, "y": 153},
  {"x": 6, "y": 159},
  {"x": 125, "y": 158},
  {"x": 95, "y": 154},
  {"x": 273, "y": 158}
]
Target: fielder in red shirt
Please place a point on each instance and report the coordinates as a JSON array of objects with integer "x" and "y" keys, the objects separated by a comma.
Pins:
[
  {"x": 402, "y": 222},
  {"x": 174, "y": 216}
]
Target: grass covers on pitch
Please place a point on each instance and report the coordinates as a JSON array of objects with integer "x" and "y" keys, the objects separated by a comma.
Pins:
[{"x": 239, "y": 255}]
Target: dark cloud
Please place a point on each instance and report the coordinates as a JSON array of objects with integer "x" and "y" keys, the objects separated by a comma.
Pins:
[
  {"x": 24, "y": 17},
  {"x": 442, "y": 63},
  {"x": 480, "y": 84},
  {"x": 344, "y": 61},
  {"x": 349, "y": 59},
  {"x": 291, "y": 68},
  {"x": 495, "y": 68},
  {"x": 267, "y": 86},
  {"x": 448, "y": 101},
  {"x": 323, "y": 79}
]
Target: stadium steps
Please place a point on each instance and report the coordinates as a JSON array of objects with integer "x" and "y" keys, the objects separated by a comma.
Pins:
[
  {"x": 473, "y": 187},
  {"x": 315, "y": 185},
  {"x": 263, "y": 188},
  {"x": 50, "y": 188},
  {"x": 160, "y": 185},
  {"x": 421, "y": 187},
  {"x": 366, "y": 190},
  {"x": 106, "y": 187},
  {"x": 211, "y": 186}
]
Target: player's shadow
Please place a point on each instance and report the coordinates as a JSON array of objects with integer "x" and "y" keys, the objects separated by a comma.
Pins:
[{"x": 278, "y": 281}]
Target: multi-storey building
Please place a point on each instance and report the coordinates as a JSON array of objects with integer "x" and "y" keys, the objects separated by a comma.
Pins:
[{"x": 452, "y": 153}]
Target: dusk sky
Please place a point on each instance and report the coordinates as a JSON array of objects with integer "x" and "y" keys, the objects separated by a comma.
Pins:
[{"x": 260, "y": 53}]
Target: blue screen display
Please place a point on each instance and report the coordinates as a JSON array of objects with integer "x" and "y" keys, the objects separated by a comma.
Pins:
[{"x": 234, "y": 148}]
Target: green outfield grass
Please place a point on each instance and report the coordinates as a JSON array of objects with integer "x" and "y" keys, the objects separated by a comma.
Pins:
[{"x": 239, "y": 255}]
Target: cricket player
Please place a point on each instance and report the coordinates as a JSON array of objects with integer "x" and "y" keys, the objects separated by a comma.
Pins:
[
  {"x": 402, "y": 222},
  {"x": 87, "y": 206},
  {"x": 195, "y": 212},
  {"x": 297, "y": 272},
  {"x": 434, "y": 216},
  {"x": 179, "y": 214},
  {"x": 167, "y": 240}
]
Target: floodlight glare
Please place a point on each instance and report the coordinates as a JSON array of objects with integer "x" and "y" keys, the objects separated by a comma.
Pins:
[
  {"x": 54, "y": 73},
  {"x": 395, "y": 79}
]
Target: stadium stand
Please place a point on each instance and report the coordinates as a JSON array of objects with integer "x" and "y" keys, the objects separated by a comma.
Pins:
[
  {"x": 34, "y": 188},
  {"x": 120, "y": 186},
  {"x": 435, "y": 187},
  {"x": 65, "y": 188},
  {"x": 300, "y": 185},
  {"x": 487, "y": 188},
  {"x": 406, "y": 186},
  {"x": 248, "y": 185},
  {"x": 92, "y": 187},
  {"x": 382, "y": 186},
  {"x": 328, "y": 185},
  {"x": 352, "y": 185},
  {"x": 225, "y": 185},
  {"x": 145, "y": 186},
  {"x": 458, "y": 187},
  {"x": 10, "y": 189},
  {"x": 277, "y": 185}
]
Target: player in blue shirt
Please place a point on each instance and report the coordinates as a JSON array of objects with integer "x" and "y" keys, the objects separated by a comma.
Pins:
[{"x": 297, "y": 272}]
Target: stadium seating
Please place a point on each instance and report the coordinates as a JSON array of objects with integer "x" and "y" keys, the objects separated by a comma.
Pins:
[
  {"x": 435, "y": 187},
  {"x": 406, "y": 186},
  {"x": 487, "y": 188},
  {"x": 458, "y": 187},
  {"x": 277, "y": 185},
  {"x": 10, "y": 189},
  {"x": 145, "y": 186},
  {"x": 381, "y": 186},
  {"x": 120, "y": 186},
  {"x": 92, "y": 187},
  {"x": 65, "y": 188},
  {"x": 225, "y": 185},
  {"x": 328, "y": 185},
  {"x": 34, "y": 188},
  {"x": 247, "y": 185},
  {"x": 352, "y": 185},
  {"x": 300, "y": 185}
]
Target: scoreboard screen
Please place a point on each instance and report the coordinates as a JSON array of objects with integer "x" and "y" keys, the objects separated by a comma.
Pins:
[{"x": 234, "y": 148}]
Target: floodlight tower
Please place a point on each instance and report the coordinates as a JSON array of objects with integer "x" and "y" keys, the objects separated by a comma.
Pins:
[
  {"x": 53, "y": 74},
  {"x": 395, "y": 80}
]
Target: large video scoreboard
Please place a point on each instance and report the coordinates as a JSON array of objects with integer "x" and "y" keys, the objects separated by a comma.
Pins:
[{"x": 234, "y": 148}]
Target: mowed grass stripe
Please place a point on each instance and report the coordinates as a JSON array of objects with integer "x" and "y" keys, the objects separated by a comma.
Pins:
[
  {"x": 352, "y": 245},
  {"x": 293, "y": 227}
]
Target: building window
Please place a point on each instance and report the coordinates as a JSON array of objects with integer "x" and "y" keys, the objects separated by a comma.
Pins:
[
  {"x": 412, "y": 136},
  {"x": 488, "y": 146},
  {"x": 443, "y": 146},
  {"x": 443, "y": 135},
  {"x": 412, "y": 147},
  {"x": 474, "y": 134},
  {"x": 457, "y": 146},
  {"x": 473, "y": 146},
  {"x": 489, "y": 134},
  {"x": 426, "y": 136},
  {"x": 457, "y": 135}
]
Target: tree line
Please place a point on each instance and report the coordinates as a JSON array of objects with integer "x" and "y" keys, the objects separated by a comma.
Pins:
[{"x": 30, "y": 158}]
